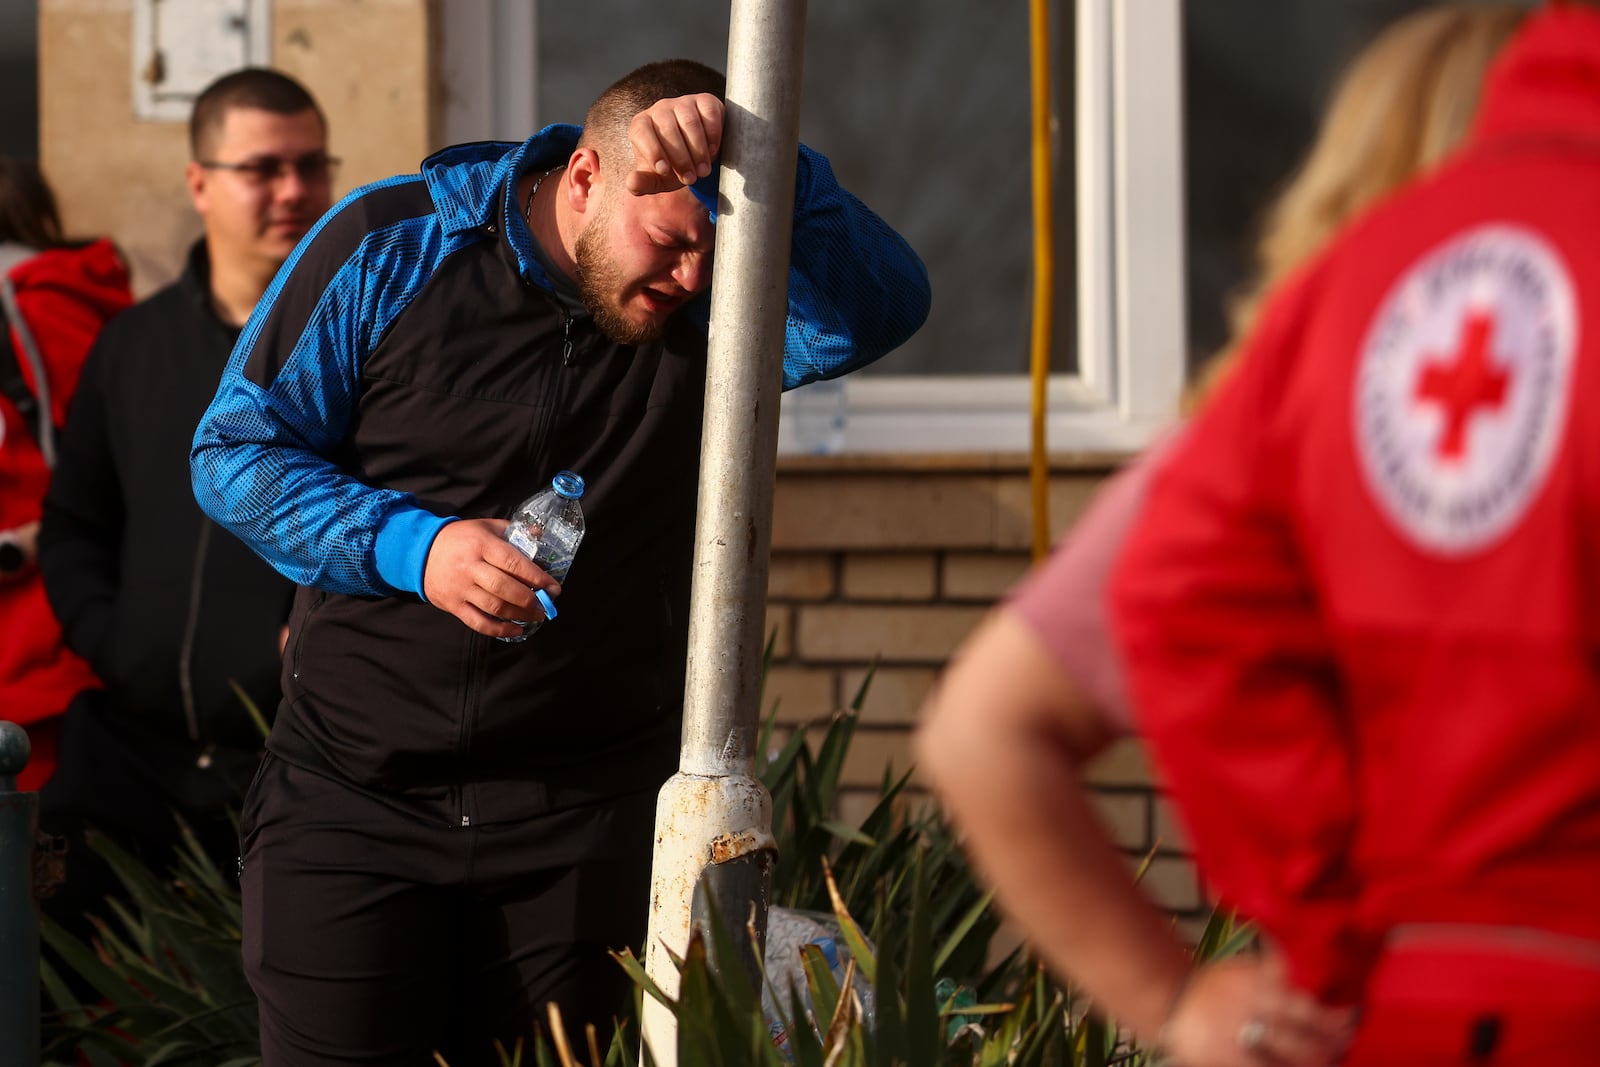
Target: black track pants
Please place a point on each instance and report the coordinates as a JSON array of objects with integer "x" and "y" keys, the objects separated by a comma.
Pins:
[{"x": 372, "y": 938}]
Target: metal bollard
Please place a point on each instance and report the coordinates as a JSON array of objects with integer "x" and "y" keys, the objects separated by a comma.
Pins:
[{"x": 19, "y": 914}]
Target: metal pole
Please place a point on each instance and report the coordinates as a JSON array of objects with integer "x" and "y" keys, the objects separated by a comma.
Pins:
[
  {"x": 714, "y": 817},
  {"x": 19, "y": 916}
]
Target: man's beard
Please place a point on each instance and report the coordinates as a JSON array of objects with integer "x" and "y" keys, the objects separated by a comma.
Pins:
[{"x": 600, "y": 284}]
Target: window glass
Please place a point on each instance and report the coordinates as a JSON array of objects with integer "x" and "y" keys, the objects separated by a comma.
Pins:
[
  {"x": 923, "y": 112},
  {"x": 1256, "y": 77}
]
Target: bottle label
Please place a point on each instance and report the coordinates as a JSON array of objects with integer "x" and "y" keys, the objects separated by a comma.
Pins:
[{"x": 551, "y": 546}]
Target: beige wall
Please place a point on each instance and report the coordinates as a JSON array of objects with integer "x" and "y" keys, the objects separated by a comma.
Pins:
[{"x": 368, "y": 62}]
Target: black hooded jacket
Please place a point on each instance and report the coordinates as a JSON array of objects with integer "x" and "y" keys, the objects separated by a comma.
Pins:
[{"x": 168, "y": 608}]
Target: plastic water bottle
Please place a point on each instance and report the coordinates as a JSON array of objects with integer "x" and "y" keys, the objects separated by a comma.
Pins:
[
  {"x": 820, "y": 412},
  {"x": 789, "y": 975},
  {"x": 777, "y": 1032},
  {"x": 788, "y": 931},
  {"x": 547, "y": 528},
  {"x": 830, "y": 955}
]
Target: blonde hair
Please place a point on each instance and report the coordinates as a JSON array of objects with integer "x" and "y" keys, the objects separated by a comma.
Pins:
[{"x": 1400, "y": 108}]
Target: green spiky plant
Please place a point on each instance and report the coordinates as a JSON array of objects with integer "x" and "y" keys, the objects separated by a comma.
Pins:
[
  {"x": 720, "y": 1019},
  {"x": 869, "y": 858},
  {"x": 168, "y": 974},
  {"x": 937, "y": 1002}
]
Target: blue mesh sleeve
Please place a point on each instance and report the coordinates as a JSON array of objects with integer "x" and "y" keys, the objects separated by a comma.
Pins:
[
  {"x": 857, "y": 290},
  {"x": 260, "y": 461}
]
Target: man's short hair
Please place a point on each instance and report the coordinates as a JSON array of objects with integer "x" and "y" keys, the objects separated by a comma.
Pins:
[
  {"x": 252, "y": 87},
  {"x": 605, "y": 127}
]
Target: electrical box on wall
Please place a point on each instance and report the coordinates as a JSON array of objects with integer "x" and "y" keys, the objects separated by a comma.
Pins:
[{"x": 181, "y": 46}]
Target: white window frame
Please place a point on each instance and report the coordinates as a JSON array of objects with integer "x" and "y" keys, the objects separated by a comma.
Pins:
[
  {"x": 1132, "y": 331},
  {"x": 1132, "y": 327}
]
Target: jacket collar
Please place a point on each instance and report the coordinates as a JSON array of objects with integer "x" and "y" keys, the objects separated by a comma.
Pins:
[
  {"x": 195, "y": 281},
  {"x": 1547, "y": 80},
  {"x": 475, "y": 185},
  {"x": 195, "y": 285}
]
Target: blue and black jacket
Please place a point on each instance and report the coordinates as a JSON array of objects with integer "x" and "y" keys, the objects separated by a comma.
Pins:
[{"x": 412, "y": 363}]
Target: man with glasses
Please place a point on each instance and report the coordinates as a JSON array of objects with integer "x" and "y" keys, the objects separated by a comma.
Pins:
[{"x": 176, "y": 617}]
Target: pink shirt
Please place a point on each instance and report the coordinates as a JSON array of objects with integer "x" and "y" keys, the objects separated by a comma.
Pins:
[{"x": 1063, "y": 600}]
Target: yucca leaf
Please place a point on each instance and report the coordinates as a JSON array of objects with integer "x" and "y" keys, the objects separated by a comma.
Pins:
[
  {"x": 618, "y": 1053},
  {"x": 58, "y": 995},
  {"x": 103, "y": 979},
  {"x": 641, "y": 977},
  {"x": 805, "y": 1043},
  {"x": 860, "y": 698},
  {"x": 99, "y": 1057},
  {"x": 250, "y": 709},
  {"x": 820, "y": 981},
  {"x": 696, "y": 1036},
  {"x": 729, "y": 974},
  {"x": 830, "y": 761},
  {"x": 890, "y": 1037},
  {"x": 1144, "y": 865},
  {"x": 1096, "y": 1041},
  {"x": 207, "y": 1015},
  {"x": 949, "y": 1008},
  {"x": 923, "y": 1030},
  {"x": 836, "y": 1042},
  {"x": 1238, "y": 940},
  {"x": 847, "y": 833},
  {"x": 853, "y": 937},
  {"x": 172, "y": 1054}
]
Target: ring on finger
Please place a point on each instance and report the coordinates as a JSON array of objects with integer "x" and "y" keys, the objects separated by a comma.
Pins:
[{"x": 1252, "y": 1034}]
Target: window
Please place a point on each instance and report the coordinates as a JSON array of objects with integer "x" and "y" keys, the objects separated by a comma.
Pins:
[
  {"x": 1256, "y": 79},
  {"x": 925, "y": 114}
]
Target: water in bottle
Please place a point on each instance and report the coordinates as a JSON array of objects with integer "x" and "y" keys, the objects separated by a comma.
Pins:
[
  {"x": 546, "y": 528},
  {"x": 820, "y": 412}
]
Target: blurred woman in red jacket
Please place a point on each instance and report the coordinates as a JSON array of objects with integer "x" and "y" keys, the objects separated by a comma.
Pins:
[
  {"x": 54, "y": 295},
  {"x": 1041, "y": 687}
]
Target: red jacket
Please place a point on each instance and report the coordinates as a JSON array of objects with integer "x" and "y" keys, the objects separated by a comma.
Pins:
[
  {"x": 1361, "y": 613},
  {"x": 65, "y": 295}
]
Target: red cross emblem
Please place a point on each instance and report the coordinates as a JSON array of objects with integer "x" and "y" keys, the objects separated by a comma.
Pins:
[{"x": 1464, "y": 387}]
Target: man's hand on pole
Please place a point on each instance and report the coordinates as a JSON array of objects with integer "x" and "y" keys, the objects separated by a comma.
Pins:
[{"x": 675, "y": 142}]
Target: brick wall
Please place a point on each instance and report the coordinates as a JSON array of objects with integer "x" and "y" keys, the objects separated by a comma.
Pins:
[{"x": 885, "y": 564}]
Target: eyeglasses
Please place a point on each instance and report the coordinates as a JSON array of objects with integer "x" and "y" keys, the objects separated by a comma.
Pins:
[{"x": 313, "y": 168}]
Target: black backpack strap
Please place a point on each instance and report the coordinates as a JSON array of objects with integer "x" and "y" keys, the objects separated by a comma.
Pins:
[{"x": 35, "y": 409}]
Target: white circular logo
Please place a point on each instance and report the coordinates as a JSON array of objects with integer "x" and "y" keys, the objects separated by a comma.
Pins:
[{"x": 1461, "y": 391}]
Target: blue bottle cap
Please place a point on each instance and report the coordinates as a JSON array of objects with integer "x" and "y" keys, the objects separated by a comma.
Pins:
[
  {"x": 568, "y": 484},
  {"x": 547, "y": 604},
  {"x": 830, "y": 950}
]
